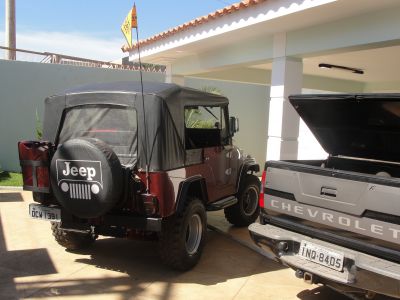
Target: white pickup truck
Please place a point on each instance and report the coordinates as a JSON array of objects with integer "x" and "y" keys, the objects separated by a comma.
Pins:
[{"x": 337, "y": 221}]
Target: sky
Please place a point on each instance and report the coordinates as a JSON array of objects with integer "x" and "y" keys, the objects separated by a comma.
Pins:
[{"x": 91, "y": 28}]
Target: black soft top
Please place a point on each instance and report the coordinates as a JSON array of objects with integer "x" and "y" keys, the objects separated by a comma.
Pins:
[
  {"x": 124, "y": 87},
  {"x": 173, "y": 95},
  {"x": 164, "y": 107}
]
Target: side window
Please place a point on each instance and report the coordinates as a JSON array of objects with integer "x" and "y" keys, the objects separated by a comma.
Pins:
[{"x": 205, "y": 126}]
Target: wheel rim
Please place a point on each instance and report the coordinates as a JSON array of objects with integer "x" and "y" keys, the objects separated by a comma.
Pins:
[
  {"x": 250, "y": 201},
  {"x": 194, "y": 233}
]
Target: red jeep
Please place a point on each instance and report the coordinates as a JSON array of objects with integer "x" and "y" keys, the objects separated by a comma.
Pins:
[{"x": 120, "y": 161}]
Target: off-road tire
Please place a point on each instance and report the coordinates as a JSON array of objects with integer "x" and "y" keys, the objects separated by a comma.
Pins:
[
  {"x": 71, "y": 240},
  {"x": 175, "y": 249},
  {"x": 241, "y": 214}
]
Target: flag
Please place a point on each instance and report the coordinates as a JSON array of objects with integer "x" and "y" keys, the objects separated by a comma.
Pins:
[
  {"x": 134, "y": 17},
  {"x": 126, "y": 28}
]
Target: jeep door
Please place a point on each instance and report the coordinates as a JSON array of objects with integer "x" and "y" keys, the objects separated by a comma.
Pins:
[{"x": 206, "y": 128}]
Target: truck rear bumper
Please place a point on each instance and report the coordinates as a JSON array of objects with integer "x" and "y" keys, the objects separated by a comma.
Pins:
[{"x": 360, "y": 270}]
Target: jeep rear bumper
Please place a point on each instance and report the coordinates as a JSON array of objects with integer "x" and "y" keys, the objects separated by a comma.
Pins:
[
  {"x": 142, "y": 223},
  {"x": 55, "y": 213},
  {"x": 360, "y": 271},
  {"x": 111, "y": 225}
]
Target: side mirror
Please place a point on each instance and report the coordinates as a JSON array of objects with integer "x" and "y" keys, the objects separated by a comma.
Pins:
[{"x": 233, "y": 125}]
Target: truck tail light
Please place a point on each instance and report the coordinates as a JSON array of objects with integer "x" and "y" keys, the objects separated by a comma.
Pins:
[
  {"x": 34, "y": 158},
  {"x": 261, "y": 199}
]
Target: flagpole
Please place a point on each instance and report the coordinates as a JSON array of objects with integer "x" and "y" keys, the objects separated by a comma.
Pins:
[{"x": 144, "y": 110}]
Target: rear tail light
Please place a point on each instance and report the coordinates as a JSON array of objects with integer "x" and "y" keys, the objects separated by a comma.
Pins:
[
  {"x": 261, "y": 199},
  {"x": 150, "y": 204},
  {"x": 34, "y": 159}
]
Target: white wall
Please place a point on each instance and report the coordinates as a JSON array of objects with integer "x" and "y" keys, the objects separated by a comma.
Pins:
[
  {"x": 25, "y": 85},
  {"x": 309, "y": 147},
  {"x": 249, "y": 103}
]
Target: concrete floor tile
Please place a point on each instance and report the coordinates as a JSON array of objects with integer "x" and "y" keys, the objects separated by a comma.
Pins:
[
  {"x": 227, "y": 258},
  {"x": 85, "y": 285},
  {"x": 194, "y": 286},
  {"x": 285, "y": 286}
]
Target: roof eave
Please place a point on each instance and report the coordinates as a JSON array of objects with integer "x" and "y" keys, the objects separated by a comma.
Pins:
[{"x": 195, "y": 23}]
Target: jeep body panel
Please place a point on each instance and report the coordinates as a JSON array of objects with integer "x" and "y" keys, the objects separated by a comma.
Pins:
[{"x": 171, "y": 186}]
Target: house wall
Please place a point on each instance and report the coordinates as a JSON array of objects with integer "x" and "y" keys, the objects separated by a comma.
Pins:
[
  {"x": 25, "y": 85},
  {"x": 248, "y": 102}
]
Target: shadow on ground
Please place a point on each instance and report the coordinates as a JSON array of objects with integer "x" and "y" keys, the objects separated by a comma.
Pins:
[
  {"x": 137, "y": 265},
  {"x": 318, "y": 293},
  {"x": 11, "y": 197},
  {"x": 20, "y": 263},
  {"x": 323, "y": 292}
]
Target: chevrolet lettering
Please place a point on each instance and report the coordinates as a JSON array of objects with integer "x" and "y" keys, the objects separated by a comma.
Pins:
[{"x": 366, "y": 226}]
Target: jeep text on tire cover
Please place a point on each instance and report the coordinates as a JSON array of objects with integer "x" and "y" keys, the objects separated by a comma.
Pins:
[{"x": 80, "y": 177}]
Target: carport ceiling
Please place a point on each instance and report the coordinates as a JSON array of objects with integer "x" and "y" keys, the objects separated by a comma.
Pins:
[{"x": 379, "y": 65}]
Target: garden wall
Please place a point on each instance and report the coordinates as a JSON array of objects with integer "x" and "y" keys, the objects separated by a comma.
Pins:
[{"x": 25, "y": 85}]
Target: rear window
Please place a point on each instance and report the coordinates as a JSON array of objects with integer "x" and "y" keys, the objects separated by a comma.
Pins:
[{"x": 115, "y": 125}]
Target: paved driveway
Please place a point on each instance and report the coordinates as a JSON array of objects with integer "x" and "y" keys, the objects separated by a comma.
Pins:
[{"x": 32, "y": 265}]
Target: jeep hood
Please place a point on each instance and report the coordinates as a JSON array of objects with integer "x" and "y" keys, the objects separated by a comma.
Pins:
[{"x": 354, "y": 125}]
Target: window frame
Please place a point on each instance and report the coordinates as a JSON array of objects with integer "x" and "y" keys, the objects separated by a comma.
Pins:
[{"x": 223, "y": 119}]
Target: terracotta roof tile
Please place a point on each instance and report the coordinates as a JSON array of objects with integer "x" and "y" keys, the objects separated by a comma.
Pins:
[{"x": 198, "y": 21}]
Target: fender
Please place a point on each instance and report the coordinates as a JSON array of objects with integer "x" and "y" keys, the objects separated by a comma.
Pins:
[
  {"x": 199, "y": 185},
  {"x": 249, "y": 165}
]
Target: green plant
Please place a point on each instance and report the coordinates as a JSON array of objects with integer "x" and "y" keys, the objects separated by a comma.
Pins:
[
  {"x": 193, "y": 119},
  {"x": 212, "y": 90},
  {"x": 39, "y": 127},
  {"x": 193, "y": 116},
  {"x": 10, "y": 179}
]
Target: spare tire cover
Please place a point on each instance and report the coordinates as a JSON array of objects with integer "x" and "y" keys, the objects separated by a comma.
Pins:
[{"x": 86, "y": 177}]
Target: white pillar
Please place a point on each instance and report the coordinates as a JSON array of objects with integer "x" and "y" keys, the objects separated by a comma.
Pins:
[
  {"x": 171, "y": 78},
  {"x": 283, "y": 121},
  {"x": 10, "y": 29}
]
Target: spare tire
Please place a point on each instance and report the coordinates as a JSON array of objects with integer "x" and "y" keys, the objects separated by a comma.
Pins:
[{"x": 86, "y": 177}]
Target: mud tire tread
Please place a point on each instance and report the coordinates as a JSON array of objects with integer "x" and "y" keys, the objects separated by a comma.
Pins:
[
  {"x": 71, "y": 240},
  {"x": 172, "y": 242},
  {"x": 234, "y": 214}
]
